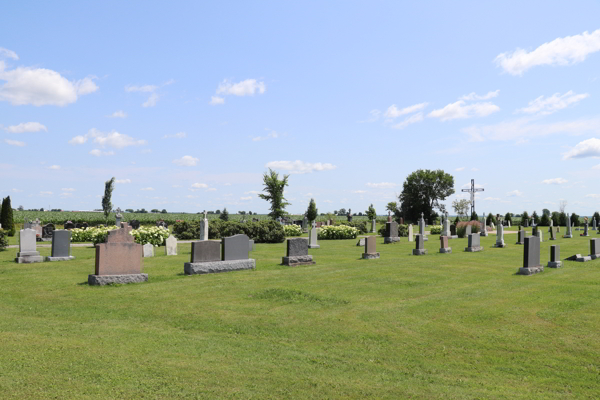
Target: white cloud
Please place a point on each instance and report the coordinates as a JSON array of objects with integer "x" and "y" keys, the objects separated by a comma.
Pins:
[
  {"x": 300, "y": 167},
  {"x": 8, "y": 53},
  {"x": 460, "y": 110},
  {"x": 587, "y": 148},
  {"x": 246, "y": 198},
  {"x": 186, "y": 161},
  {"x": 143, "y": 89},
  {"x": 252, "y": 192},
  {"x": 113, "y": 139},
  {"x": 216, "y": 100},
  {"x": 394, "y": 112},
  {"x": 554, "y": 181},
  {"x": 46, "y": 193},
  {"x": 514, "y": 193},
  {"x": 176, "y": 186},
  {"x": 459, "y": 169},
  {"x": 374, "y": 116},
  {"x": 270, "y": 135},
  {"x": 474, "y": 96},
  {"x": 382, "y": 185},
  {"x": 98, "y": 153},
  {"x": 118, "y": 114},
  {"x": 40, "y": 86},
  {"x": 211, "y": 189},
  {"x": 146, "y": 151},
  {"x": 561, "y": 51},
  {"x": 152, "y": 100},
  {"x": 468, "y": 185},
  {"x": 593, "y": 195},
  {"x": 474, "y": 169},
  {"x": 492, "y": 199},
  {"x": 26, "y": 127},
  {"x": 122, "y": 180},
  {"x": 178, "y": 135},
  {"x": 200, "y": 186},
  {"x": 548, "y": 105},
  {"x": 14, "y": 142},
  {"x": 409, "y": 120},
  {"x": 54, "y": 167},
  {"x": 147, "y": 189},
  {"x": 16, "y": 190},
  {"x": 359, "y": 191},
  {"x": 248, "y": 87},
  {"x": 66, "y": 194},
  {"x": 67, "y": 189}
]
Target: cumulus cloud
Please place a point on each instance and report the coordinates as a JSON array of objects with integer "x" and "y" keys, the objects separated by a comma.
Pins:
[
  {"x": 143, "y": 89},
  {"x": 394, "y": 112},
  {"x": 561, "y": 51},
  {"x": 186, "y": 161},
  {"x": 154, "y": 97},
  {"x": 271, "y": 135},
  {"x": 118, "y": 114},
  {"x": 6, "y": 53},
  {"x": 248, "y": 87},
  {"x": 554, "y": 181},
  {"x": 99, "y": 153},
  {"x": 548, "y": 105},
  {"x": 252, "y": 192},
  {"x": 67, "y": 189},
  {"x": 514, "y": 193},
  {"x": 300, "y": 167},
  {"x": 40, "y": 86},
  {"x": 14, "y": 142},
  {"x": 593, "y": 195},
  {"x": 474, "y": 96},
  {"x": 375, "y": 114},
  {"x": 200, "y": 186},
  {"x": 246, "y": 198},
  {"x": 459, "y": 169},
  {"x": 492, "y": 199},
  {"x": 587, "y": 148},
  {"x": 26, "y": 127},
  {"x": 382, "y": 185},
  {"x": 409, "y": 120},
  {"x": 461, "y": 110},
  {"x": 147, "y": 189},
  {"x": 178, "y": 135},
  {"x": 216, "y": 100},
  {"x": 54, "y": 167},
  {"x": 113, "y": 139}
]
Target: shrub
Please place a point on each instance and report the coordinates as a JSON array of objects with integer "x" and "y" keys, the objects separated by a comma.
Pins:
[
  {"x": 337, "y": 232},
  {"x": 184, "y": 230},
  {"x": 544, "y": 221},
  {"x": 461, "y": 228},
  {"x": 292, "y": 230},
  {"x": 94, "y": 234},
  {"x": 402, "y": 230},
  {"x": 360, "y": 225},
  {"x": 6, "y": 217},
  {"x": 3, "y": 239},
  {"x": 224, "y": 215},
  {"x": 155, "y": 235},
  {"x": 265, "y": 231},
  {"x": 435, "y": 229}
]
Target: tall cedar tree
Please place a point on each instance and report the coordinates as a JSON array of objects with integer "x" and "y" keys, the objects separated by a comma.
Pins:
[
  {"x": 106, "y": 204},
  {"x": 371, "y": 213},
  {"x": 6, "y": 217},
  {"x": 224, "y": 215},
  {"x": 422, "y": 192},
  {"x": 274, "y": 188},
  {"x": 312, "y": 211}
]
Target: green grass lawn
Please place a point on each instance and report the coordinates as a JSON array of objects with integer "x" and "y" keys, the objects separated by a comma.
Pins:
[{"x": 445, "y": 326}]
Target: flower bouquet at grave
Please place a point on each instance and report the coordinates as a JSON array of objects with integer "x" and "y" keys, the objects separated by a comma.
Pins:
[
  {"x": 292, "y": 230},
  {"x": 337, "y": 232}
]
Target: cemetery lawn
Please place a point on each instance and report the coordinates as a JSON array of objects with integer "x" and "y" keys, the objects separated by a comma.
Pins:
[{"x": 439, "y": 326}]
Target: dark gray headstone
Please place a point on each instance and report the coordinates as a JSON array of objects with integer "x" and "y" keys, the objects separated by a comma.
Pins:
[
  {"x": 391, "y": 229},
  {"x": 420, "y": 243},
  {"x": 297, "y": 247},
  {"x": 205, "y": 251},
  {"x": 235, "y": 247},
  {"x": 534, "y": 231},
  {"x": 69, "y": 225},
  {"x": 554, "y": 253},
  {"x": 531, "y": 254},
  {"x": 370, "y": 245},
  {"x": 474, "y": 240},
  {"x": 47, "y": 231},
  {"x": 521, "y": 237},
  {"x": 61, "y": 243},
  {"x": 594, "y": 246},
  {"x": 453, "y": 230},
  {"x": 135, "y": 224}
]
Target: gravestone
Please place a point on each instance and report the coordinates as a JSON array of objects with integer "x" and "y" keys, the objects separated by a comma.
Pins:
[
  {"x": 410, "y": 233},
  {"x": 171, "y": 246},
  {"x": 47, "y": 232},
  {"x": 552, "y": 234},
  {"x": 531, "y": 257},
  {"x": 373, "y": 225},
  {"x": 585, "y": 230},
  {"x": 78, "y": 225},
  {"x": 205, "y": 251},
  {"x": 312, "y": 237},
  {"x": 419, "y": 249},
  {"x": 27, "y": 252},
  {"x": 391, "y": 233},
  {"x": 233, "y": 257},
  {"x": 594, "y": 248},
  {"x": 304, "y": 224},
  {"x": 453, "y": 231},
  {"x": 162, "y": 223},
  {"x": 119, "y": 259},
  {"x": 204, "y": 228},
  {"x": 539, "y": 234},
  {"x": 509, "y": 224},
  {"x": 526, "y": 225},
  {"x": 401, "y": 220},
  {"x": 446, "y": 228},
  {"x": 534, "y": 231},
  {"x": 500, "y": 236},
  {"x": 422, "y": 228},
  {"x": 148, "y": 250},
  {"x": 36, "y": 226},
  {"x": 569, "y": 232},
  {"x": 361, "y": 242},
  {"x": 349, "y": 215},
  {"x": 69, "y": 225},
  {"x": 468, "y": 230},
  {"x": 61, "y": 246},
  {"x": 483, "y": 226},
  {"x": 521, "y": 237},
  {"x": 554, "y": 257},
  {"x": 297, "y": 253},
  {"x": 370, "y": 250},
  {"x": 444, "y": 245},
  {"x": 135, "y": 224},
  {"x": 251, "y": 246},
  {"x": 474, "y": 243},
  {"x": 235, "y": 247},
  {"x": 594, "y": 223}
]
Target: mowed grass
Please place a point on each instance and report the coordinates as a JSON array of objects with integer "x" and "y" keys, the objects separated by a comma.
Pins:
[{"x": 458, "y": 326}]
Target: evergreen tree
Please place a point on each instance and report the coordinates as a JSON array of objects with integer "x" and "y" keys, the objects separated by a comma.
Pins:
[
  {"x": 535, "y": 217},
  {"x": 545, "y": 220},
  {"x": 575, "y": 219},
  {"x": 6, "y": 217},
  {"x": 273, "y": 188},
  {"x": 508, "y": 217},
  {"x": 311, "y": 211},
  {"x": 490, "y": 218},
  {"x": 562, "y": 219},
  {"x": 474, "y": 216},
  {"x": 224, "y": 215},
  {"x": 106, "y": 204},
  {"x": 371, "y": 213},
  {"x": 524, "y": 216},
  {"x": 597, "y": 216}
]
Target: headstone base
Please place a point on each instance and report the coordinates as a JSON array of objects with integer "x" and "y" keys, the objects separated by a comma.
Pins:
[
  {"x": 483, "y": 233},
  {"x": 45, "y": 239},
  {"x": 580, "y": 258},
  {"x": 445, "y": 249},
  {"x": 370, "y": 256},
  {"x": 554, "y": 264},
  {"x": 210, "y": 267},
  {"x": 60, "y": 258},
  {"x": 297, "y": 260},
  {"x": 520, "y": 243},
  {"x": 419, "y": 252},
  {"x": 28, "y": 257},
  {"x": 392, "y": 239},
  {"x": 500, "y": 244},
  {"x": 101, "y": 280},
  {"x": 453, "y": 237},
  {"x": 530, "y": 271},
  {"x": 314, "y": 246},
  {"x": 568, "y": 236},
  {"x": 474, "y": 249},
  {"x": 584, "y": 235}
]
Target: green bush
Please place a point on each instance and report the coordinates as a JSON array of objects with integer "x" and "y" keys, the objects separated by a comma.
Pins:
[
  {"x": 154, "y": 235},
  {"x": 360, "y": 225},
  {"x": 435, "y": 229},
  {"x": 6, "y": 217},
  {"x": 292, "y": 230},
  {"x": 402, "y": 230},
  {"x": 266, "y": 231},
  {"x": 337, "y": 232},
  {"x": 3, "y": 239}
]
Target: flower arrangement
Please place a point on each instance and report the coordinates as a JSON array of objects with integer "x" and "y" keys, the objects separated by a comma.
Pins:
[
  {"x": 337, "y": 232},
  {"x": 292, "y": 230}
]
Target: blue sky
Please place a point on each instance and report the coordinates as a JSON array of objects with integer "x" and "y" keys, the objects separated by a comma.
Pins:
[{"x": 187, "y": 105}]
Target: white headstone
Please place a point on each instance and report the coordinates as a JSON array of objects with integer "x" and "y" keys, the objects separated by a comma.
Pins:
[
  {"x": 410, "y": 233},
  {"x": 27, "y": 240},
  {"x": 500, "y": 236},
  {"x": 148, "y": 250},
  {"x": 171, "y": 246},
  {"x": 312, "y": 237}
]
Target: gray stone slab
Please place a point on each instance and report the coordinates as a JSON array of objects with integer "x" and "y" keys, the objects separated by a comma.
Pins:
[
  {"x": 251, "y": 245},
  {"x": 293, "y": 261},
  {"x": 370, "y": 256},
  {"x": 388, "y": 240},
  {"x": 361, "y": 242},
  {"x": 520, "y": 237},
  {"x": 531, "y": 253},
  {"x": 530, "y": 271},
  {"x": 210, "y": 267},
  {"x": 235, "y": 248},
  {"x": 148, "y": 250},
  {"x": 171, "y": 246},
  {"x": 410, "y": 233},
  {"x": 101, "y": 280},
  {"x": 27, "y": 240},
  {"x": 419, "y": 252},
  {"x": 554, "y": 264},
  {"x": 391, "y": 229},
  {"x": 474, "y": 243},
  {"x": 205, "y": 251},
  {"x": 61, "y": 243},
  {"x": 370, "y": 245},
  {"x": 69, "y": 258},
  {"x": 297, "y": 247},
  {"x": 419, "y": 243},
  {"x": 447, "y": 250},
  {"x": 312, "y": 237},
  {"x": 29, "y": 259}
]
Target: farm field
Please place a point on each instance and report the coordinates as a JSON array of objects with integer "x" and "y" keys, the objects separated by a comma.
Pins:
[{"x": 458, "y": 325}]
